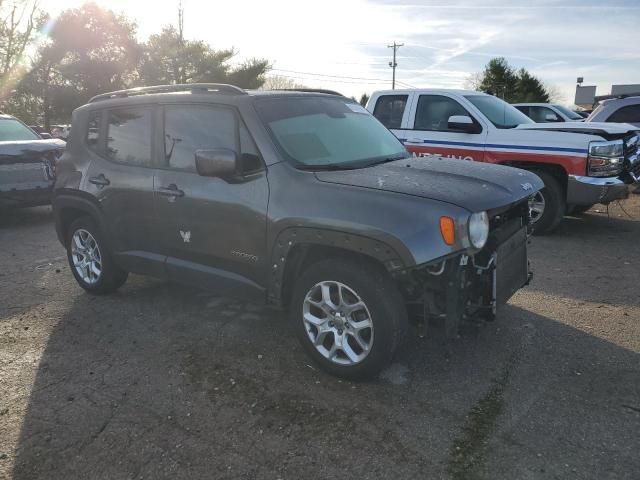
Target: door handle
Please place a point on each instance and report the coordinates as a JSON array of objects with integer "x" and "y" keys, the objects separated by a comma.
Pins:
[
  {"x": 171, "y": 190},
  {"x": 100, "y": 180}
]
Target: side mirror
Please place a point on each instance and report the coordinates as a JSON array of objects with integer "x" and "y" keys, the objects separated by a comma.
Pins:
[
  {"x": 551, "y": 117},
  {"x": 462, "y": 123},
  {"x": 218, "y": 162},
  {"x": 45, "y": 136}
]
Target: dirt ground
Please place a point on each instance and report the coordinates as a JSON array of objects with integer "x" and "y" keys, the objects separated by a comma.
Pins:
[{"x": 160, "y": 381}]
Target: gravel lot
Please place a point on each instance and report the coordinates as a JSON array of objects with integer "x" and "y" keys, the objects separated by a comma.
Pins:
[{"x": 160, "y": 381}]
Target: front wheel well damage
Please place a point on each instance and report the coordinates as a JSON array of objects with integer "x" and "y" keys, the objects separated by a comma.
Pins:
[{"x": 297, "y": 249}]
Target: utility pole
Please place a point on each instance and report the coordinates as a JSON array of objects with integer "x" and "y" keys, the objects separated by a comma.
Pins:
[
  {"x": 393, "y": 64},
  {"x": 180, "y": 71}
]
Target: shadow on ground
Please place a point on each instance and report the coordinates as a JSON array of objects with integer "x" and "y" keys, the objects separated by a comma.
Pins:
[{"x": 160, "y": 382}]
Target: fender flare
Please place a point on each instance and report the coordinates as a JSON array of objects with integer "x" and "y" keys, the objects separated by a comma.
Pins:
[
  {"x": 291, "y": 237},
  {"x": 75, "y": 201}
]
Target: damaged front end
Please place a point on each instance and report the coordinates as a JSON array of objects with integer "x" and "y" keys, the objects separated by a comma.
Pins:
[{"x": 470, "y": 286}]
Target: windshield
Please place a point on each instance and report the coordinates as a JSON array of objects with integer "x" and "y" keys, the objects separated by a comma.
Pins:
[
  {"x": 13, "y": 130},
  {"x": 499, "y": 112},
  {"x": 568, "y": 113},
  {"x": 322, "y": 132}
]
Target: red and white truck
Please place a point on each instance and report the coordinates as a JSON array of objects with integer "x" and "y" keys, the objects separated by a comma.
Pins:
[{"x": 580, "y": 163}]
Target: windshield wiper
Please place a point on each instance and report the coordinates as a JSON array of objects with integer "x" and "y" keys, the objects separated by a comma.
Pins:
[
  {"x": 385, "y": 160},
  {"x": 326, "y": 167}
]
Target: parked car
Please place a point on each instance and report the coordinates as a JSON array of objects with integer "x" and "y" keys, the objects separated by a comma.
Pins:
[
  {"x": 27, "y": 165},
  {"x": 619, "y": 109},
  {"x": 580, "y": 163},
  {"x": 41, "y": 131},
  {"x": 61, "y": 131},
  {"x": 302, "y": 200},
  {"x": 582, "y": 113},
  {"x": 548, "y": 112}
]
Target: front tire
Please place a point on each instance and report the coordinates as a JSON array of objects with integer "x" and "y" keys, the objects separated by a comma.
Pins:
[
  {"x": 349, "y": 317},
  {"x": 90, "y": 260},
  {"x": 548, "y": 206}
]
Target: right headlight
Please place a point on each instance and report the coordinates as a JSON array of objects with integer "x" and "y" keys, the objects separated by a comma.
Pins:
[
  {"x": 606, "y": 158},
  {"x": 478, "y": 229}
]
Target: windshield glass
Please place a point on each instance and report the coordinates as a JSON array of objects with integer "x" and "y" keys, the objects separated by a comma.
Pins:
[
  {"x": 13, "y": 130},
  {"x": 322, "y": 132},
  {"x": 568, "y": 113},
  {"x": 499, "y": 112}
]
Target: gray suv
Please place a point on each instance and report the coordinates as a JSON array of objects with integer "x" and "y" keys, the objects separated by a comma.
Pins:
[{"x": 302, "y": 200}]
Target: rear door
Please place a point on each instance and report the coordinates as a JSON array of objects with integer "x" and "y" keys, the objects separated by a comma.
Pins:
[
  {"x": 428, "y": 131},
  {"x": 213, "y": 230},
  {"x": 120, "y": 177}
]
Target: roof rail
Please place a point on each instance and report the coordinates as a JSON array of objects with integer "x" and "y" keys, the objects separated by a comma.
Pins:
[
  {"x": 186, "y": 87},
  {"x": 620, "y": 95},
  {"x": 310, "y": 90}
]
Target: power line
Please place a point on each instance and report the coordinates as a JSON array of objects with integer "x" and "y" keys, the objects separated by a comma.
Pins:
[{"x": 330, "y": 76}]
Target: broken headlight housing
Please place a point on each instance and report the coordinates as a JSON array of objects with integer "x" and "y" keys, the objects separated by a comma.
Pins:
[{"x": 606, "y": 158}]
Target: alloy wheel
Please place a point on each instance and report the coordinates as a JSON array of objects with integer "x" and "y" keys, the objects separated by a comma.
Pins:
[
  {"x": 536, "y": 207},
  {"x": 86, "y": 256},
  {"x": 338, "y": 323}
]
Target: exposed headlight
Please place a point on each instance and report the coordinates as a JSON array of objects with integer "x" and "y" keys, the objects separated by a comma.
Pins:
[
  {"x": 606, "y": 158},
  {"x": 478, "y": 229}
]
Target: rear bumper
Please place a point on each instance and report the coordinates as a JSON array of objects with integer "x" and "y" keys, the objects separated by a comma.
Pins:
[{"x": 583, "y": 190}]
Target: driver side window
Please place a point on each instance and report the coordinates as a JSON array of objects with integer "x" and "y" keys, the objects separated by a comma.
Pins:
[{"x": 433, "y": 112}]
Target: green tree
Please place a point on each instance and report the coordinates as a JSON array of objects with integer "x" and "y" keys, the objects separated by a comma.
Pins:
[
  {"x": 90, "y": 50},
  {"x": 501, "y": 79},
  {"x": 530, "y": 89},
  {"x": 498, "y": 78},
  {"x": 364, "y": 99},
  {"x": 169, "y": 59}
]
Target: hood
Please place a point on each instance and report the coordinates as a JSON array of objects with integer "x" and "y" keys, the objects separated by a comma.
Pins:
[
  {"x": 597, "y": 128},
  {"x": 28, "y": 151},
  {"x": 474, "y": 186}
]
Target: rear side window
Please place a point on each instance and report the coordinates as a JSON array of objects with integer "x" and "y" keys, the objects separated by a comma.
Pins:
[
  {"x": 129, "y": 136},
  {"x": 628, "y": 114},
  {"x": 433, "y": 112},
  {"x": 93, "y": 131},
  {"x": 389, "y": 110},
  {"x": 539, "y": 115}
]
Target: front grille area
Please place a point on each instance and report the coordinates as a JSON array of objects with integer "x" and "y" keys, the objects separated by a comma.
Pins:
[
  {"x": 632, "y": 154},
  {"x": 503, "y": 223}
]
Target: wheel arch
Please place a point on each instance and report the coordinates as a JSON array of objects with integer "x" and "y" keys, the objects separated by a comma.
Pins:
[
  {"x": 69, "y": 207},
  {"x": 557, "y": 171},
  {"x": 297, "y": 248}
]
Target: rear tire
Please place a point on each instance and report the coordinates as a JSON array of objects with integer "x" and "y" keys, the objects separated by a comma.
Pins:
[
  {"x": 554, "y": 205},
  {"x": 90, "y": 259},
  {"x": 349, "y": 317},
  {"x": 578, "y": 209}
]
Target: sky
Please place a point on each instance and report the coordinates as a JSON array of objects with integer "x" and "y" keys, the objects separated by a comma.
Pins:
[{"x": 342, "y": 44}]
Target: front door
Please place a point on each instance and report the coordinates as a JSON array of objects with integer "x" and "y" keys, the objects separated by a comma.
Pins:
[
  {"x": 213, "y": 230},
  {"x": 430, "y": 132}
]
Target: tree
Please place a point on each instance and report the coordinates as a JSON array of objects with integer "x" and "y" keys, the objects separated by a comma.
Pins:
[
  {"x": 19, "y": 24},
  {"x": 530, "y": 89},
  {"x": 170, "y": 59},
  {"x": 364, "y": 99},
  {"x": 278, "y": 82},
  {"x": 500, "y": 79},
  {"x": 90, "y": 50}
]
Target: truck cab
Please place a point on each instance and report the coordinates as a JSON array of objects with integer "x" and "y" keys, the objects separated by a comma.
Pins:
[{"x": 580, "y": 164}]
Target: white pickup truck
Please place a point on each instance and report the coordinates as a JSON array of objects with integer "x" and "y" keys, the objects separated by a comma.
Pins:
[{"x": 580, "y": 163}]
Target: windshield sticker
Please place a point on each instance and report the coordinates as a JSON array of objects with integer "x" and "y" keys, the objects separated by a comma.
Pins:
[{"x": 355, "y": 108}]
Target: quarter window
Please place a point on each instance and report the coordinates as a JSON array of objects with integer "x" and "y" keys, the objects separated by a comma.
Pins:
[
  {"x": 129, "y": 136},
  {"x": 433, "y": 112},
  {"x": 628, "y": 114},
  {"x": 389, "y": 110}
]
